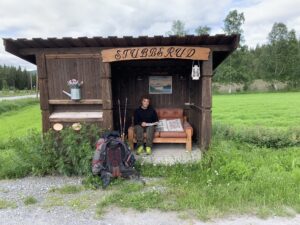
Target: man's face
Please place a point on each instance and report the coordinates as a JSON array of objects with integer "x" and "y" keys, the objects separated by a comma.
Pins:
[{"x": 145, "y": 103}]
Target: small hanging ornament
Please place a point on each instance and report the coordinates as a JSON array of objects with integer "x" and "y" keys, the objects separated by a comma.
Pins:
[{"x": 195, "y": 71}]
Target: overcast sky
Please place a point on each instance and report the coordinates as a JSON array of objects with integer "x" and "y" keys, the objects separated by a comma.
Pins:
[{"x": 77, "y": 18}]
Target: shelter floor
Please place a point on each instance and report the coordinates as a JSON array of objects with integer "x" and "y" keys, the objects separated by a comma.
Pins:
[{"x": 170, "y": 154}]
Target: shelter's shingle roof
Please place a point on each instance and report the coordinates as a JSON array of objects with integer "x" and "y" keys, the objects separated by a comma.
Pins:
[{"x": 227, "y": 43}]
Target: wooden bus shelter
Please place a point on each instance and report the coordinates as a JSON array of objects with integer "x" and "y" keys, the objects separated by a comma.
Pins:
[{"x": 113, "y": 68}]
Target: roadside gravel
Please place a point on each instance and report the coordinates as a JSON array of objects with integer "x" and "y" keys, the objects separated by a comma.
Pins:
[{"x": 55, "y": 209}]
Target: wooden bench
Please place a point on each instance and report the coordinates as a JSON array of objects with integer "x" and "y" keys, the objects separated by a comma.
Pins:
[{"x": 184, "y": 136}]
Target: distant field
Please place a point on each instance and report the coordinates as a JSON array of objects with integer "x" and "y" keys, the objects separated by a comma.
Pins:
[{"x": 270, "y": 110}]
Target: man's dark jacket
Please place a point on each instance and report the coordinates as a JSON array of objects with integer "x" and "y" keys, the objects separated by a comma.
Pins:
[{"x": 148, "y": 115}]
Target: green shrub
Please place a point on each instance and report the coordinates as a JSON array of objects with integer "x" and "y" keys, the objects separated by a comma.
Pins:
[
  {"x": 12, "y": 165},
  {"x": 68, "y": 153}
]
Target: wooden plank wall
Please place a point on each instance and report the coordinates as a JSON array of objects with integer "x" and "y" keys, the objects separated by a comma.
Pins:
[{"x": 60, "y": 70}]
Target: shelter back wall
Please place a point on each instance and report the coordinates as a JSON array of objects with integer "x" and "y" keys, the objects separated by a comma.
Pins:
[{"x": 131, "y": 80}]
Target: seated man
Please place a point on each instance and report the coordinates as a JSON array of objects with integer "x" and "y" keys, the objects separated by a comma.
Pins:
[{"x": 143, "y": 115}]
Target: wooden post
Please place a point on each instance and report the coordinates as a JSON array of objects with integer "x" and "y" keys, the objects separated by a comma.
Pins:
[
  {"x": 43, "y": 86},
  {"x": 106, "y": 94},
  {"x": 206, "y": 103}
]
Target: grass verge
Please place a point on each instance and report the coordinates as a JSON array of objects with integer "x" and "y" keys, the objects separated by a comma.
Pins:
[
  {"x": 30, "y": 200},
  {"x": 4, "y": 204},
  {"x": 12, "y": 105}
]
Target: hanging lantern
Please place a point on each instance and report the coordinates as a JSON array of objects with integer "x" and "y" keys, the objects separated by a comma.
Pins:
[{"x": 195, "y": 71}]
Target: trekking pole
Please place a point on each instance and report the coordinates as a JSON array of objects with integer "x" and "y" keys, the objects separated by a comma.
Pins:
[
  {"x": 120, "y": 117},
  {"x": 123, "y": 134}
]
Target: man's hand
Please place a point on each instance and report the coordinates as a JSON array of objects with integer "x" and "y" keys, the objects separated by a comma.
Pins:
[{"x": 143, "y": 124}]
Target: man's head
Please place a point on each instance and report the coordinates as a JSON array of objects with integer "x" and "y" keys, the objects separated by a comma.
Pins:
[{"x": 145, "y": 101}]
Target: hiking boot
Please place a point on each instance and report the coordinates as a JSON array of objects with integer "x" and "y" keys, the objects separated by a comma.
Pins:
[
  {"x": 140, "y": 150},
  {"x": 148, "y": 150}
]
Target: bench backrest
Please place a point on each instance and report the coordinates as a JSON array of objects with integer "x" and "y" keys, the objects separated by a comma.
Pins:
[{"x": 169, "y": 113}]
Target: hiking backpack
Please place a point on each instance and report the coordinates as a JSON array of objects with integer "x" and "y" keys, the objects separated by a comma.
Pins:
[{"x": 113, "y": 158}]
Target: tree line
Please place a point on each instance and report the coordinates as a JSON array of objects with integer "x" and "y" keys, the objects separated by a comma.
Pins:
[
  {"x": 12, "y": 78},
  {"x": 277, "y": 60}
]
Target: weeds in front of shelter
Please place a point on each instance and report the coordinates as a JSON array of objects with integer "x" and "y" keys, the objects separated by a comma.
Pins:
[{"x": 232, "y": 178}]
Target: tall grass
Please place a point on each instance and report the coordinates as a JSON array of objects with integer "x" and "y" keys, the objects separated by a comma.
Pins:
[
  {"x": 11, "y": 105},
  {"x": 259, "y": 136}
]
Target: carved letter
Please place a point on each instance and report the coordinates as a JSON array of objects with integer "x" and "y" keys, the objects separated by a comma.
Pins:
[
  {"x": 144, "y": 52},
  {"x": 125, "y": 53},
  {"x": 153, "y": 52},
  {"x": 134, "y": 52},
  {"x": 118, "y": 56},
  {"x": 160, "y": 52},
  {"x": 191, "y": 52},
  {"x": 179, "y": 52},
  {"x": 170, "y": 51}
]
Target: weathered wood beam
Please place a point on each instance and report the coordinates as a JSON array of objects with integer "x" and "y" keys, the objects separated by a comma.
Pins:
[
  {"x": 71, "y": 102},
  {"x": 106, "y": 95},
  {"x": 206, "y": 103},
  {"x": 44, "y": 95},
  {"x": 32, "y": 51}
]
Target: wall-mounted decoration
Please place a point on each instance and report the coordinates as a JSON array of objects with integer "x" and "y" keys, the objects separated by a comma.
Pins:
[
  {"x": 160, "y": 85},
  {"x": 75, "y": 89}
]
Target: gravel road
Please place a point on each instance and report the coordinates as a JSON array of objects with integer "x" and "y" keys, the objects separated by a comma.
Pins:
[{"x": 45, "y": 212}]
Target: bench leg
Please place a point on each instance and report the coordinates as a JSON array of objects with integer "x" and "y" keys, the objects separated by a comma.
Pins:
[{"x": 188, "y": 145}]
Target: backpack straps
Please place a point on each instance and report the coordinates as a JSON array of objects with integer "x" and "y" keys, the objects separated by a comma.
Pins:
[{"x": 99, "y": 159}]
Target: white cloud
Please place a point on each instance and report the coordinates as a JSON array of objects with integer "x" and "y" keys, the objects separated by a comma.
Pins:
[
  {"x": 60, "y": 18},
  {"x": 261, "y": 15}
]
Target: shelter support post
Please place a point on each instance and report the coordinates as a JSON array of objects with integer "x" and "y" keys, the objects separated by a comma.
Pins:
[
  {"x": 106, "y": 94},
  {"x": 205, "y": 103},
  {"x": 44, "y": 92}
]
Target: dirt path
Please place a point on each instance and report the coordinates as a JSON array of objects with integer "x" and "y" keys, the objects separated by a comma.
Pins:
[{"x": 52, "y": 208}]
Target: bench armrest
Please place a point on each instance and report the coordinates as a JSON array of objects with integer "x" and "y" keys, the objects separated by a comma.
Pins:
[{"x": 188, "y": 128}]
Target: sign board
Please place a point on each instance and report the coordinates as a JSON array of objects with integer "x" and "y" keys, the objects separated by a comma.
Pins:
[{"x": 155, "y": 52}]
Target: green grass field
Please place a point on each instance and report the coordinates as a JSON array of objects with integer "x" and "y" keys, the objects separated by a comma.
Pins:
[
  {"x": 17, "y": 122},
  {"x": 269, "y": 110},
  {"x": 252, "y": 167}
]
